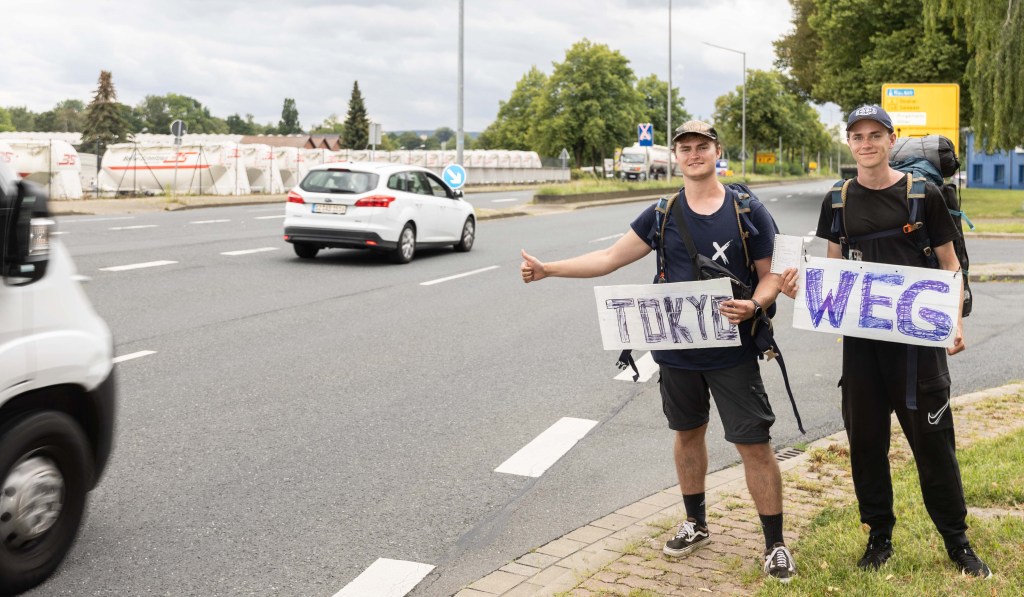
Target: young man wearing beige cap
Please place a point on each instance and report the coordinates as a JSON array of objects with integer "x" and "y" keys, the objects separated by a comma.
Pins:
[{"x": 690, "y": 377}]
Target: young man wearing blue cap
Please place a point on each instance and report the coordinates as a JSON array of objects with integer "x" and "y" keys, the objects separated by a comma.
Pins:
[
  {"x": 874, "y": 377},
  {"x": 690, "y": 377}
]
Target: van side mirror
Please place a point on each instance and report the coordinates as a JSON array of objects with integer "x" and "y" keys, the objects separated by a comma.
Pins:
[{"x": 27, "y": 235}]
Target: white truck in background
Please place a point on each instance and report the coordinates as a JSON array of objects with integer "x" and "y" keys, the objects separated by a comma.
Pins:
[
  {"x": 57, "y": 397},
  {"x": 646, "y": 162}
]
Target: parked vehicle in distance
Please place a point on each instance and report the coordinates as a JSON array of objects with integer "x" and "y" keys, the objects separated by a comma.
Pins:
[
  {"x": 645, "y": 162},
  {"x": 393, "y": 208},
  {"x": 722, "y": 168},
  {"x": 56, "y": 391}
]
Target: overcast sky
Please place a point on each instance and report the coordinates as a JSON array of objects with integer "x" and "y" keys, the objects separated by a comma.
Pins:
[{"x": 246, "y": 57}]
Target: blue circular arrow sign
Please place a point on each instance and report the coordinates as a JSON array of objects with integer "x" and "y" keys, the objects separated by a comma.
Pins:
[{"x": 454, "y": 176}]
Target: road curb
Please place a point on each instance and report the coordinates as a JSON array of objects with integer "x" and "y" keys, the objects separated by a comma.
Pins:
[{"x": 576, "y": 561}]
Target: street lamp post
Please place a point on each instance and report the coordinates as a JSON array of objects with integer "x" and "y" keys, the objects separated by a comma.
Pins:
[
  {"x": 743, "y": 151},
  {"x": 459, "y": 134},
  {"x": 668, "y": 107}
]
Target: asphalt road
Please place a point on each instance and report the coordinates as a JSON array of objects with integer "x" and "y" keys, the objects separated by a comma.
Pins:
[{"x": 297, "y": 420}]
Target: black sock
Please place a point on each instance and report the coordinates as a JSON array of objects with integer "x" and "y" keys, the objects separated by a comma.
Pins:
[
  {"x": 772, "y": 526},
  {"x": 694, "y": 504}
]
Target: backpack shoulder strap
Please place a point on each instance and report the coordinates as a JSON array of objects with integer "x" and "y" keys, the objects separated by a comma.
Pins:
[
  {"x": 661, "y": 212},
  {"x": 839, "y": 191},
  {"x": 741, "y": 202}
]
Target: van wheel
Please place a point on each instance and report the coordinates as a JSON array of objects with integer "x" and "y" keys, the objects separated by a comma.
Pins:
[
  {"x": 468, "y": 236},
  {"x": 305, "y": 251},
  {"x": 406, "y": 245},
  {"x": 46, "y": 469}
]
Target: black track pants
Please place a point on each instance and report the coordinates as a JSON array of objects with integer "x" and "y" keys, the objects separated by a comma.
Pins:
[{"x": 874, "y": 385}]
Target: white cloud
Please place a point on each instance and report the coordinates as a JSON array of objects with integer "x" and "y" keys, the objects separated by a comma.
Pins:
[{"x": 247, "y": 57}]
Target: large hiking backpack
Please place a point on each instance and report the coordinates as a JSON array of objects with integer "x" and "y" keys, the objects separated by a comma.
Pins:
[
  {"x": 762, "y": 332},
  {"x": 924, "y": 159}
]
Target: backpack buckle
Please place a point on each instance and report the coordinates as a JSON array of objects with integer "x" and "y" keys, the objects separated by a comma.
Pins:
[{"x": 907, "y": 229}]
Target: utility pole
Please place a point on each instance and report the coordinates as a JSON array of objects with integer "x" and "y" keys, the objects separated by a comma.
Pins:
[{"x": 668, "y": 110}]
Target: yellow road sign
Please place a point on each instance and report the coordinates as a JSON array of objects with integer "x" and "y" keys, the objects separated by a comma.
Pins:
[
  {"x": 765, "y": 157},
  {"x": 919, "y": 109}
]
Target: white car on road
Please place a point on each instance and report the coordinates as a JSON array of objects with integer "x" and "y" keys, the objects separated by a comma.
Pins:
[{"x": 394, "y": 208}]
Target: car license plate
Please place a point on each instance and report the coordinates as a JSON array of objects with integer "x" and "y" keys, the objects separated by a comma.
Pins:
[{"x": 326, "y": 208}]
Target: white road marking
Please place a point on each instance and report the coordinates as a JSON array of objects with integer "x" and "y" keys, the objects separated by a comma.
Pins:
[
  {"x": 134, "y": 355},
  {"x": 773, "y": 199},
  {"x": 538, "y": 455},
  {"x": 272, "y": 217},
  {"x": 134, "y": 227},
  {"x": 645, "y": 365},
  {"x": 79, "y": 220},
  {"x": 253, "y": 211},
  {"x": 506, "y": 200},
  {"x": 603, "y": 238},
  {"x": 787, "y": 196},
  {"x": 121, "y": 268},
  {"x": 812, "y": 232},
  {"x": 386, "y": 578},
  {"x": 457, "y": 276},
  {"x": 212, "y": 221},
  {"x": 63, "y": 232},
  {"x": 247, "y": 251}
]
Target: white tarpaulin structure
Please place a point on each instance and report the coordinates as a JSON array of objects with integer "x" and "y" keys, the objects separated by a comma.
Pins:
[
  {"x": 52, "y": 163},
  {"x": 262, "y": 168},
  {"x": 203, "y": 169},
  {"x": 291, "y": 164}
]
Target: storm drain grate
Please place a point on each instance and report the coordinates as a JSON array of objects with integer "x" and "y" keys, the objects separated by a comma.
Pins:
[{"x": 787, "y": 454}]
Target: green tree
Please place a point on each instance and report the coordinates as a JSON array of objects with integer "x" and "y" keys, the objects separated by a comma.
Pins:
[
  {"x": 155, "y": 113},
  {"x": 589, "y": 105},
  {"x": 66, "y": 117},
  {"x": 6, "y": 122},
  {"x": 773, "y": 110},
  {"x": 104, "y": 117},
  {"x": 843, "y": 51},
  {"x": 356, "y": 133},
  {"x": 331, "y": 125},
  {"x": 512, "y": 129},
  {"x": 445, "y": 135},
  {"x": 289, "y": 124},
  {"x": 22, "y": 118},
  {"x": 994, "y": 34},
  {"x": 655, "y": 96},
  {"x": 409, "y": 140}
]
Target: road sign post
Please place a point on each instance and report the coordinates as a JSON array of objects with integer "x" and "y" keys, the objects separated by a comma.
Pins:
[
  {"x": 564, "y": 156},
  {"x": 454, "y": 176},
  {"x": 919, "y": 109},
  {"x": 645, "y": 134}
]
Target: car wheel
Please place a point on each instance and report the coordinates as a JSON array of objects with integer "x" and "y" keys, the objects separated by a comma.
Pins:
[
  {"x": 406, "y": 245},
  {"x": 46, "y": 469},
  {"x": 468, "y": 236},
  {"x": 305, "y": 251}
]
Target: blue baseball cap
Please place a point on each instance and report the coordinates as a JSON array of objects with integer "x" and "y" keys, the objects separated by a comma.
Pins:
[{"x": 870, "y": 112}]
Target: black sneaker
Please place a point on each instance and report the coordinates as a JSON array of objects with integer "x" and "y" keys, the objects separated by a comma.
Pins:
[
  {"x": 688, "y": 539},
  {"x": 878, "y": 553},
  {"x": 778, "y": 563},
  {"x": 968, "y": 563}
]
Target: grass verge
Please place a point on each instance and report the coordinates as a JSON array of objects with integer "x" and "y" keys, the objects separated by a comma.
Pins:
[
  {"x": 993, "y": 476},
  {"x": 992, "y": 203}
]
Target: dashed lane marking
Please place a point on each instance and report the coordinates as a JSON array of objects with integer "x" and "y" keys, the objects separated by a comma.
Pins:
[
  {"x": 208, "y": 221},
  {"x": 645, "y": 365},
  {"x": 503, "y": 200},
  {"x": 386, "y": 578},
  {"x": 134, "y": 355},
  {"x": 78, "y": 220},
  {"x": 604, "y": 238},
  {"x": 269, "y": 217},
  {"x": 122, "y": 268},
  {"x": 140, "y": 226},
  {"x": 457, "y": 276},
  {"x": 545, "y": 450},
  {"x": 248, "y": 251},
  {"x": 773, "y": 200}
]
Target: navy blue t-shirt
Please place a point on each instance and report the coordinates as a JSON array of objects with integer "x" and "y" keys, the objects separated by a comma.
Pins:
[{"x": 716, "y": 236}]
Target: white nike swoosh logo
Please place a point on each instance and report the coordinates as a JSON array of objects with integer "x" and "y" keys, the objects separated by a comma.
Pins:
[{"x": 933, "y": 419}]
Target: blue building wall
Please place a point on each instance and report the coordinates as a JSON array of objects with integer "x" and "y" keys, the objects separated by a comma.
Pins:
[{"x": 1001, "y": 170}]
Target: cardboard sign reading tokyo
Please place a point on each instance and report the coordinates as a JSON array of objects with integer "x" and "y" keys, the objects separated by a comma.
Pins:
[
  {"x": 680, "y": 315},
  {"x": 909, "y": 305}
]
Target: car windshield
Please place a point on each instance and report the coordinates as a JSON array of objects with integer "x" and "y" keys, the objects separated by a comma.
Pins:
[
  {"x": 633, "y": 158},
  {"x": 339, "y": 181}
]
